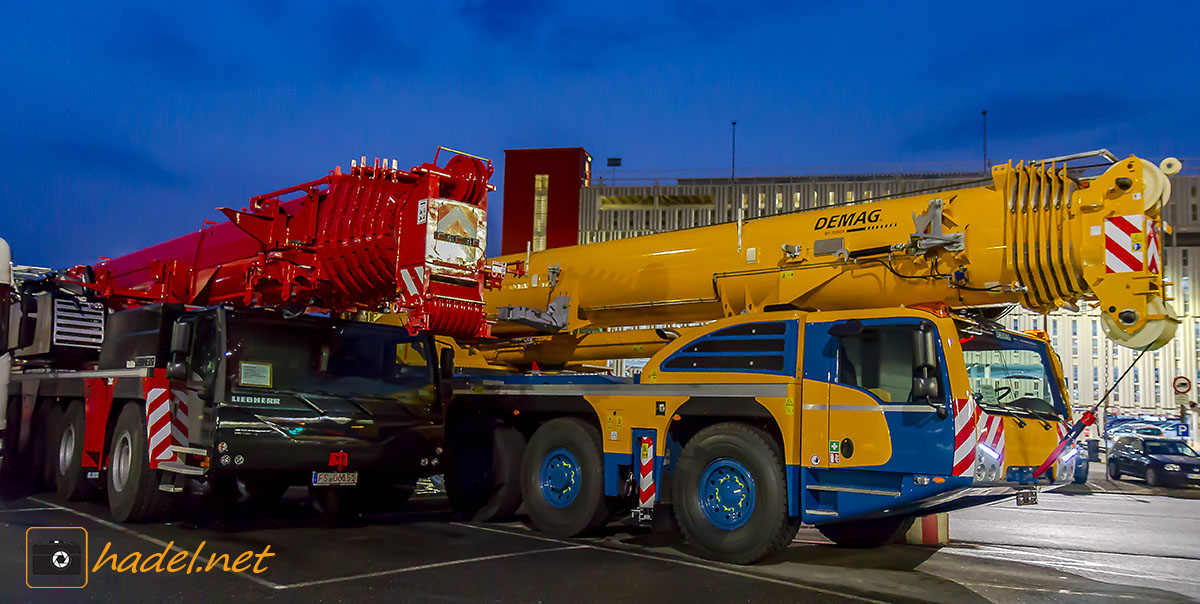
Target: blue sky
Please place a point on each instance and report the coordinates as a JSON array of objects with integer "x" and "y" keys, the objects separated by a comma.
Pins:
[{"x": 126, "y": 124}]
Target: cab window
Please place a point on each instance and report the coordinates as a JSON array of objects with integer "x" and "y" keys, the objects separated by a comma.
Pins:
[{"x": 880, "y": 361}]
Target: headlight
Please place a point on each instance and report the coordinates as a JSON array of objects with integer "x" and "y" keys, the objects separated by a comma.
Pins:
[{"x": 1171, "y": 467}]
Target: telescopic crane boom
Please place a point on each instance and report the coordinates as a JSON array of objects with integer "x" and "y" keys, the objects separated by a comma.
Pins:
[{"x": 1037, "y": 235}]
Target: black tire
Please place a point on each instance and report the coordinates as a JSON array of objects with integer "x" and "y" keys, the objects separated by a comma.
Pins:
[
  {"x": 476, "y": 489},
  {"x": 749, "y": 453},
  {"x": 50, "y": 428},
  {"x": 1152, "y": 478},
  {"x": 1113, "y": 472},
  {"x": 70, "y": 479},
  {"x": 133, "y": 493},
  {"x": 1081, "y": 472},
  {"x": 572, "y": 447},
  {"x": 875, "y": 532}
]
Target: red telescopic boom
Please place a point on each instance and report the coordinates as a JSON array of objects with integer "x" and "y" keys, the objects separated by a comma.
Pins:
[{"x": 376, "y": 239}]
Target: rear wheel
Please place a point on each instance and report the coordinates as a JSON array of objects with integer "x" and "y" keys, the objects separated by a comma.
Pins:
[
  {"x": 133, "y": 493},
  {"x": 563, "y": 478},
  {"x": 483, "y": 470},
  {"x": 729, "y": 494},
  {"x": 69, "y": 477},
  {"x": 865, "y": 533},
  {"x": 13, "y": 478}
]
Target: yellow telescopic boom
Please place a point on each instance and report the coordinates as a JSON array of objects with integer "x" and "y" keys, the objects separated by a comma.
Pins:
[{"x": 1033, "y": 236}]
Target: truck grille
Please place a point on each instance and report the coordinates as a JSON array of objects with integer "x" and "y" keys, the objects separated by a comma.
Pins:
[{"x": 78, "y": 324}]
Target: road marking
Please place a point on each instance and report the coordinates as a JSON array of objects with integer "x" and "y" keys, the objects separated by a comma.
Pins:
[
  {"x": 716, "y": 567},
  {"x": 148, "y": 539},
  {"x": 28, "y": 510},
  {"x": 409, "y": 569},
  {"x": 1063, "y": 563},
  {"x": 1065, "y": 592}
]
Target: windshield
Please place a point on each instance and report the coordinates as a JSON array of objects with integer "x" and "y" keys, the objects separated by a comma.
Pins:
[
  {"x": 1011, "y": 372},
  {"x": 333, "y": 358},
  {"x": 1169, "y": 447}
]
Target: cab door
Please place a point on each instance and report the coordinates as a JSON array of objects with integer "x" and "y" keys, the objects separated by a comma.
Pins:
[{"x": 877, "y": 416}]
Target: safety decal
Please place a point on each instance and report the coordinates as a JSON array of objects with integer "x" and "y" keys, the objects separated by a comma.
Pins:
[
  {"x": 1124, "y": 243},
  {"x": 965, "y": 417}
]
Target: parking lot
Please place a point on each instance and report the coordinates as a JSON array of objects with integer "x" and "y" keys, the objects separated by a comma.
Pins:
[{"x": 1074, "y": 548}]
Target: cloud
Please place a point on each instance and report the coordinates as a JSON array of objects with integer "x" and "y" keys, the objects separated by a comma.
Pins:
[{"x": 109, "y": 160}]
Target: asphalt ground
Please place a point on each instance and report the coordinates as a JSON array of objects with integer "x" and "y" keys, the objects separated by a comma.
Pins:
[{"x": 422, "y": 554}]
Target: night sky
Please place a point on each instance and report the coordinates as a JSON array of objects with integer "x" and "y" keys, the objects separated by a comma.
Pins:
[{"x": 124, "y": 125}]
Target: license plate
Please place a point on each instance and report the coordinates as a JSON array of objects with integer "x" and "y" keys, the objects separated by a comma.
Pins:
[
  {"x": 1026, "y": 497},
  {"x": 334, "y": 478},
  {"x": 1194, "y": 476}
]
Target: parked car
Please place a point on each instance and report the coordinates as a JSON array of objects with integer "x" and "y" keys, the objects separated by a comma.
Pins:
[
  {"x": 1133, "y": 429},
  {"x": 1160, "y": 461}
]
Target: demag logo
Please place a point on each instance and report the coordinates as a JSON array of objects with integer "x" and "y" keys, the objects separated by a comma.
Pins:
[{"x": 57, "y": 557}]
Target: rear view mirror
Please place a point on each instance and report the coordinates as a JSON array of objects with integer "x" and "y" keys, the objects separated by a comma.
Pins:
[
  {"x": 924, "y": 348},
  {"x": 925, "y": 387},
  {"x": 181, "y": 337}
]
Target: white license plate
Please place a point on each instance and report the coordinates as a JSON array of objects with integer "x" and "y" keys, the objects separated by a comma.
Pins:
[
  {"x": 1194, "y": 476},
  {"x": 334, "y": 478}
]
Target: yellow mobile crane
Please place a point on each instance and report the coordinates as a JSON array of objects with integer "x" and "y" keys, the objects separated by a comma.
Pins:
[{"x": 849, "y": 374}]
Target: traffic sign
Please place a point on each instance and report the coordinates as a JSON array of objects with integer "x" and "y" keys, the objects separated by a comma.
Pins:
[{"x": 1182, "y": 384}]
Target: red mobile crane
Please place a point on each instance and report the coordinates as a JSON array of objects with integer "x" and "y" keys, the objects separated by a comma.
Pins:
[{"x": 218, "y": 357}]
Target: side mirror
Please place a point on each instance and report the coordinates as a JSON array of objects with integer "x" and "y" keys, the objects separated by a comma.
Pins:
[
  {"x": 926, "y": 387},
  {"x": 924, "y": 348},
  {"x": 446, "y": 363},
  {"x": 846, "y": 329},
  {"x": 178, "y": 371},
  {"x": 181, "y": 337}
]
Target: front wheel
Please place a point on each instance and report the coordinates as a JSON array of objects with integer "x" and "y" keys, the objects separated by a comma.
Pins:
[
  {"x": 563, "y": 478},
  {"x": 730, "y": 495},
  {"x": 483, "y": 469},
  {"x": 865, "y": 533},
  {"x": 1113, "y": 472},
  {"x": 1152, "y": 478},
  {"x": 133, "y": 493}
]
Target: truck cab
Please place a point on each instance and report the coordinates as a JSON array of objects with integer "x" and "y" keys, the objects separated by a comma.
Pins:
[{"x": 305, "y": 400}]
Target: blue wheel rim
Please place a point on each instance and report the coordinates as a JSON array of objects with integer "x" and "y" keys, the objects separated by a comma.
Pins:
[
  {"x": 560, "y": 477},
  {"x": 726, "y": 492}
]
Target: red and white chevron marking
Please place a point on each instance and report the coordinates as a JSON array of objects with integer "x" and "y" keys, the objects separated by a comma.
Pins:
[
  {"x": 991, "y": 434},
  {"x": 1062, "y": 430},
  {"x": 646, "y": 490},
  {"x": 1153, "y": 261},
  {"x": 166, "y": 423},
  {"x": 965, "y": 412},
  {"x": 412, "y": 278},
  {"x": 159, "y": 426},
  {"x": 1122, "y": 254}
]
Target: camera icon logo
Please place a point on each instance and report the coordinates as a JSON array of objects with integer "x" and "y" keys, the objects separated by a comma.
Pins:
[{"x": 56, "y": 557}]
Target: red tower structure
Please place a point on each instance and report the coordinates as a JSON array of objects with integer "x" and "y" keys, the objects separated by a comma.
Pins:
[{"x": 541, "y": 197}]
